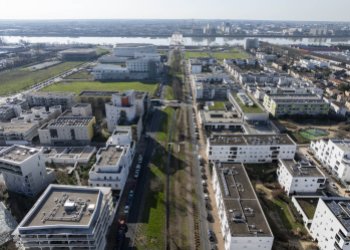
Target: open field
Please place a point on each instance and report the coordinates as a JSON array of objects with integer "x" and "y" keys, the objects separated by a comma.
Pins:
[
  {"x": 77, "y": 87},
  {"x": 12, "y": 81},
  {"x": 217, "y": 106},
  {"x": 169, "y": 92},
  {"x": 233, "y": 53}
]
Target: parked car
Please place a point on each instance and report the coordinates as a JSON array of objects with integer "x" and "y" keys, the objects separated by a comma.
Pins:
[
  {"x": 126, "y": 209},
  {"x": 211, "y": 236},
  {"x": 137, "y": 174},
  {"x": 138, "y": 166},
  {"x": 140, "y": 159},
  {"x": 204, "y": 183},
  {"x": 210, "y": 218}
]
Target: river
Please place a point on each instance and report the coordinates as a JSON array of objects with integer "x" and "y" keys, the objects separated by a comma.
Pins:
[{"x": 188, "y": 41}]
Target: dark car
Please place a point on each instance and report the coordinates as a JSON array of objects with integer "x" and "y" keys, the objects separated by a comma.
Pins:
[
  {"x": 210, "y": 218},
  {"x": 211, "y": 236}
]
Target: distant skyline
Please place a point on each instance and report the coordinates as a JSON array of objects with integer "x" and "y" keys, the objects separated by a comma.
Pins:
[{"x": 293, "y": 10}]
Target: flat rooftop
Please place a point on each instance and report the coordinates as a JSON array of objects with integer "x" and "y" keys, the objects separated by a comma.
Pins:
[
  {"x": 244, "y": 213},
  {"x": 259, "y": 139},
  {"x": 340, "y": 207},
  {"x": 296, "y": 98},
  {"x": 52, "y": 94},
  {"x": 64, "y": 206},
  {"x": 220, "y": 116},
  {"x": 344, "y": 144},
  {"x": 71, "y": 121},
  {"x": 16, "y": 127},
  {"x": 245, "y": 108},
  {"x": 109, "y": 156},
  {"x": 77, "y": 153},
  {"x": 98, "y": 93},
  {"x": 302, "y": 168},
  {"x": 18, "y": 153}
]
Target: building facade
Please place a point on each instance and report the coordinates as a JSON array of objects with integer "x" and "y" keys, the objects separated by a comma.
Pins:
[
  {"x": 300, "y": 177},
  {"x": 24, "y": 170},
  {"x": 250, "y": 148}
]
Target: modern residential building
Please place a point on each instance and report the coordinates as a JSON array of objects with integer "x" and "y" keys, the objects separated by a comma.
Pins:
[
  {"x": 334, "y": 154},
  {"x": 251, "y": 43},
  {"x": 17, "y": 132},
  {"x": 195, "y": 66},
  {"x": 112, "y": 166},
  {"x": 7, "y": 224},
  {"x": 82, "y": 109},
  {"x": 242, "y": 220},
  {"x": 49, "y": 99},
  {"x": 24, "y": 170},
  {"x": 67, "y": 217},
  {"x": 259, "y": 148},
  {"x": 300, "y": 177},
  {"x": 12, "y": 109},
  {"x": 124, "y": 108},
  {"x": 130, "y": 49},
  {"x": 79, "y": 54},
  {"x": 69, "y": 155},
  {"x": 279, "y": 105},
  {"x": 212, "y": 120},
  {"x": 68, "y": 129},
  {"x": 330, "y": 225},
  {"x": 105, "y": 72}
]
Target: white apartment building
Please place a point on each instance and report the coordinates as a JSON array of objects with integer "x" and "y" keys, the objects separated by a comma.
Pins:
[
  {"x": 17, "y": 133},
  {"x": 110, "y": 72},
  {"x": 67, "y": 217},
  {"x": 242, "y": 220},
  {"x": 331, "y": 223},
  {"x": 250, "y": 148},
  {"x": 130, "y": 103},
  {"x": 132, "y": 49},
  {"x": 24, "y": 170},
  {"x": 112, "y": 166},
  {"x": 82, "y": 109},
  {"x": 122, "y": 136},
  {"x": 300, "y": 177},
  {"x": 334, "y": 154}
]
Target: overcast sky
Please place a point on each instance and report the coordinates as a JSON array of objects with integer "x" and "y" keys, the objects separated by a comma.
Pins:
[{"x": 308, "y": 10}]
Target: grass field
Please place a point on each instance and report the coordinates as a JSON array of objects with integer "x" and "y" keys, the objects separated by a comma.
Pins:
[
  {"x": 169, "y": 92},
  {"x": 313, "y": 133},
  {"x": 77, "y": 87},
  {"x": 247, "y": 109},
  {"x": 12, "y": 81},
  {"x": 233, "y": 53},
  {"x": 217, "y": 106}
]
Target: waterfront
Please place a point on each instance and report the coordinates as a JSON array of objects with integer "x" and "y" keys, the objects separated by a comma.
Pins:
[{"x": 161, "y": 41}]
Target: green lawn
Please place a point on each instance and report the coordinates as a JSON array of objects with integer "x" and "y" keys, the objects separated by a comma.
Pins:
[
  {"x": 217, "y": 106},
  {"x": 247, "y": 109},
  {"x": 162, "y": 135},
  {"x": 313, "y": 134},
  {"x": 169, "y": 93},
  {"x": 233, "y": 53},
  {"x": 77, "y": 87},
  {"x": 153, "y": 231},
  {"x": 308, "y": 205},
  {"x": 14, "y": 80}
]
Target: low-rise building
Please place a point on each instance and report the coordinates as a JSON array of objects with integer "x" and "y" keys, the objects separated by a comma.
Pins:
[
  {"x": 49, "y": 99},
  {"x": 330, "y": 226},
  {"x": 259, "y": 148},
  {"x": 24, "y": 170},
  {"x": 17, "y": 132},
  {"x": 69, "y": 155},
  {"x": 300, "y": 177},
  {"x": 68, "y": 129},
  {"x": 279, "y": 105},
  {"x": 242, "y": 220},
  {"x": 334, "y": 154},
  {"x": 105, "y": 72},
  {"x": 70, "y": 217},
  {"x": 77, "y": 54}
]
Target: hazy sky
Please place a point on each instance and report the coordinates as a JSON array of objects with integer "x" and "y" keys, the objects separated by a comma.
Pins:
[{"x": 322, "y": 10}]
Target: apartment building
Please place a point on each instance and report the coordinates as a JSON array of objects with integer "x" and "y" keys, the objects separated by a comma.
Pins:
[
  {"x": 279, "y": 105},
  {"x": 67, "y": 217},
  {"x": 242, "y": 220},
  {"x": 49, "y": 99},
  {"x": 330, "y": 226},
  {"x": 104, "y": 72},
  {"x": 259, "y": 148},
  {"x": 112, "y": 166},
  {"x": 130, "y": 49},
  {"x": 124, "y": 108},
  {"x": 17, "y": 132},
  {"x": 68, "y": 129},
  {"x": 24, "y": 170},
  {"x": 334, "y": 154},
  {"x": 300, "y": 177}
]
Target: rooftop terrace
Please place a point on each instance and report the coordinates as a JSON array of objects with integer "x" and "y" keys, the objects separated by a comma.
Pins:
[
  {"x": 301, "y": 168},
  {"x": 18, "y": 154}
]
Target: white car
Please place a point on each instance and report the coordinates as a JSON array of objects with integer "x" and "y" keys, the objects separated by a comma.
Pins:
[
  {"x": 138, "y": 167},
  {"x": 126, "y": 209},
  {"x": 140, "y": 159}
]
